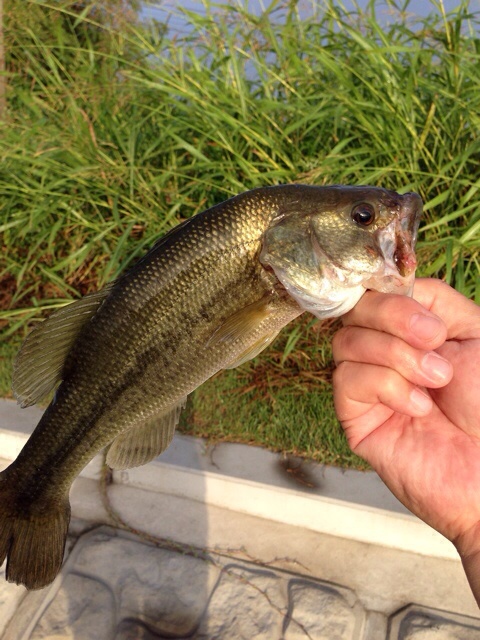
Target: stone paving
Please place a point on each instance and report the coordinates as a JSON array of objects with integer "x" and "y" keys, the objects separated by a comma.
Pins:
[{"x": 115, "y": 586}]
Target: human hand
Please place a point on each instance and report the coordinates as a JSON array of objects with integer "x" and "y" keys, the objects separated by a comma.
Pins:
[{"x": 407, "y": 393}]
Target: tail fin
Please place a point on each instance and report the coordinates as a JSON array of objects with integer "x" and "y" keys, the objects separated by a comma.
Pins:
[{"x": 32, "y": 537}]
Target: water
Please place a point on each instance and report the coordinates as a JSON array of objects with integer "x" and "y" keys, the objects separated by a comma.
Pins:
[{"x": 167, "y": 10}]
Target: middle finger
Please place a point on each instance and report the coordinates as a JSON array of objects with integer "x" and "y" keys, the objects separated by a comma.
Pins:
[{"x": 360, "y": 344}]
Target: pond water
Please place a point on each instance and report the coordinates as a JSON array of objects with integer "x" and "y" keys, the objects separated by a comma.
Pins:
[{"x": 170, "y": 10}]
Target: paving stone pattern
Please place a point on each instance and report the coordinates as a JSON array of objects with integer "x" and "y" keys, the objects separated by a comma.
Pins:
[{"x": 117, "y": 587}]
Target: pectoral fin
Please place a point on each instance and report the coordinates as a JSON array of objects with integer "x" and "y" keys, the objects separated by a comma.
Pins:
[
  {"x": 145, "y": 441},
  {"x": 39, "y": 364},
  {"x": 254, "y": 350},
  {"x": 242, "y": 323}
]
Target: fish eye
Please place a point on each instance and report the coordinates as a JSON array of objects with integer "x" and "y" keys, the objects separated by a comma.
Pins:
[{"x": 363, "y": 214}]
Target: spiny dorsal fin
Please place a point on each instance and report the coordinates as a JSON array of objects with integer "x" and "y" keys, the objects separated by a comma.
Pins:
[
  {"x": 145, "y": 441},
  {"x": 39, "y": 364},
  {"x": 242, "y": 322}
]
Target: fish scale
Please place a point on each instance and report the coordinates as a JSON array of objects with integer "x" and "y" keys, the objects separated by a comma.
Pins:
[{"x": 211, "y": 294}]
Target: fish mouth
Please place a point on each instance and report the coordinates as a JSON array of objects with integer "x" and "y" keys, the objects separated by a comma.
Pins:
[
  {"x": 396, "y": 243},
  {"x": 404, "y": 256},
  {"x": 406, "y": 232}
]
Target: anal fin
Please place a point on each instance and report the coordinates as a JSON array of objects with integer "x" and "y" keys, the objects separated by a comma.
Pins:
[{"x": 146, "y": 440}]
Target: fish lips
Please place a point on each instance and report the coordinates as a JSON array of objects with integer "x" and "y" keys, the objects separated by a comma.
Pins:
[
  {"x": 406, "y": 233},
  {"x": 396, "y": 243}
]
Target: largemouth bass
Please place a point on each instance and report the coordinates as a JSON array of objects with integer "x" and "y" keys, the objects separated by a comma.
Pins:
[{"x": 211, "y": 294}]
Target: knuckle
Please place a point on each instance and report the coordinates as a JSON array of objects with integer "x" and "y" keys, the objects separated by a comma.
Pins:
[
  {"x": 408, "y": 361},
  {"x": 393, "y": 305},
  {"x": 339, "y": 374},
  {"x": 391, "y": 383},
  {"x": 342, "y": 340},
  {"x": 440, "y": 285},
  {"x": 400, "y": 356}
]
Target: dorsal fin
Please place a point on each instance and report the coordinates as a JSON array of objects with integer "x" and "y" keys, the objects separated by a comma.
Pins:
[
  {"x": 145, "y": 441},
  {"x": 39, "y": 364}
]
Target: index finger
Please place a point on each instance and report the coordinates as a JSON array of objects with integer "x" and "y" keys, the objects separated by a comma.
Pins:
[
  {"x": 461, "y": 315},
  {"x": 400, "y": 316}
]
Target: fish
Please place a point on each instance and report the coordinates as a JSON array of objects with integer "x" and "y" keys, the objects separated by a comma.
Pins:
[{"x": 211, "y": 294}]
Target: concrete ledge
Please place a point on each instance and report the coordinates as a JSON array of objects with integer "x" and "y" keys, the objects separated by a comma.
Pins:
[
  {"x": 348, "y": 504},
  {"x": 317, "y": 513}
]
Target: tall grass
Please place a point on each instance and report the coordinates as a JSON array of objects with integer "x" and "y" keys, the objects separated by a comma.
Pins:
[
  {"x": 117, "y": 130},
  {"x": 112, "y": 139}
]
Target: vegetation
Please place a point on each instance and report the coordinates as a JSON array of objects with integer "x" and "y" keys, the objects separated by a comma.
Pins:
[{"x": 116, "y": 130}]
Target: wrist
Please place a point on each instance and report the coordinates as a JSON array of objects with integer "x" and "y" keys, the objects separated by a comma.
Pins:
[
  {"x": 468, "y": 543},
  {"x": 468, "y": 547}
]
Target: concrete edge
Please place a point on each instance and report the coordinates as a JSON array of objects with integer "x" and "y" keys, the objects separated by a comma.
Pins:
[
  {"x": 317, "y": 513},
  {"x": 360, "y": 522}
]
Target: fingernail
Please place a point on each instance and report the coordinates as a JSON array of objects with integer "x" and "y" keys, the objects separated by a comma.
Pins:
[
  {"x": 420, "y": 401},
  {"x": 436, "y": 367},
  {"x": 425, "y": 327}
]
